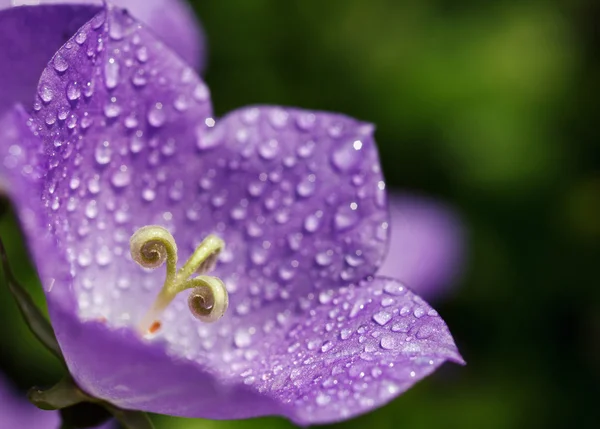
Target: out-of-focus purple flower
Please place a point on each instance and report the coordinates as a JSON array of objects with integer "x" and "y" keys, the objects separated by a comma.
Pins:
[
  {"x": 120, "y": 142},
  {"x": 30, "y": 35},
  {"x": 426, "y": 249},
  {"x": 17, "y": 413}
]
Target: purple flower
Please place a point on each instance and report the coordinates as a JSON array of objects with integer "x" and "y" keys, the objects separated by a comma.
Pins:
[
  {"x": 18, "y": 413},
  {"x": 298, "y": 198},
  {"x": 426, "y": 245}
]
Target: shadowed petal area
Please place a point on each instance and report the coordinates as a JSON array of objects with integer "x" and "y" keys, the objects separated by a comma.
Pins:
[
  {"x": 298, "y": 198},
  {"x": 29, "y": 37},
  {"x": 427, "y": 245}
]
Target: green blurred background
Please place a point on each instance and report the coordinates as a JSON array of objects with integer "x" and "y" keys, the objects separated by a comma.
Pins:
[{"x": 490, "y": 106}]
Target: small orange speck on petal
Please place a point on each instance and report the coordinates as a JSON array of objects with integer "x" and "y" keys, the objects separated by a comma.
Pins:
[
  {"x": 102, "y": 319},
  {"x": 154, "y": 327}
]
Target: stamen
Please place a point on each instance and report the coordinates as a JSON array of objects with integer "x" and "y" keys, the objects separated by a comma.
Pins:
[{"x": 152, "y": 246}]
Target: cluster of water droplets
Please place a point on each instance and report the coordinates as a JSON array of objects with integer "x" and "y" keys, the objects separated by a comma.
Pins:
[
  {"x": 340, "y": 351},
  {"x": 298, "y": 197},
  {"x": 102, "y": 105}
]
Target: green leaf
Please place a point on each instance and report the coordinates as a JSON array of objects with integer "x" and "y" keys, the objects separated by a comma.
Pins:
[
  {"x": 37, "y": 322},
  {"x": 62, "y": 395}
]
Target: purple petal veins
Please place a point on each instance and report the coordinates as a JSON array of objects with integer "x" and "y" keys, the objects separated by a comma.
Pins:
[{"x": 297, "y": 196}]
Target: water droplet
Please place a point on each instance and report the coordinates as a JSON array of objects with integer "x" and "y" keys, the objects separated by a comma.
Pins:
[
  {"x": 139, "y": 78},
  {"x": 91, "y": 209},
  {"x": 46, "y": 93},
  {"x": 80, "y": 37},
  {"x": 382, "y": 317},
  {"x": 258, "y": 255},
  {"x": 387, "y": 301},
  {"x": 325, "y": 297},
  {"x": 123, "y": 283},
  {"x": 306, "y": 149},
  {"x": 324, "y": 258},
  {"x": 346, "y": 217},
  {"x": 142, "y": 54},
  {"x": 156, "y": 115},
  {"x": 115, "y": 30},
  {"x": 84, "y": 258},
  {"x": 347, "y": 156},
  {"x": 307, "y": 186},
  {"x": 181, "y": 102},
  {"x": 103, "y": 152},
  {"x": 306, "y": 120},
  {"x": 121, "y": 177},
  {"x": 242, "y": 338},
  {"x": 104, "y": 256},
  {"x": 112, "y": 110},
  {"x": 388, "y": 342},
  {"x": 286, "y": 273},
  {"x": 268, "y": 149},
  {"x": 131, "y": 122},
  {"x": 278, "y": 117},
  {"x": 148, "y": 194},
  {"x": 74, "y": 183},
  {"x": 94, "y": 184},
  {"x": 137, "y": 143},
  {"x": 322, "y": 399},
  {"x": 345, "y": 333},
  {"x": 256, "y": 188},
  {"x": 354, "y": 260},
  {"x": 312, "y": 222},
  {"x": 327, "y": 345},
  {"x": 89, "y": 89},
  {"x": 201, "y": 92},
  {"x": 394, "y": 289},
  {"x": 111, "y": 73},
  {"x": 207, "y": 139},
  {"x": 402, "y": 325},
  {"x": 72, "y": 121},
  {"x": 60, "y": 64}
]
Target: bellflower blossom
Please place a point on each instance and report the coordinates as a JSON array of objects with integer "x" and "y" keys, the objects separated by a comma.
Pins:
[
  {"x": 122, "y": 137},
  {"x": 17, "y": 413}
]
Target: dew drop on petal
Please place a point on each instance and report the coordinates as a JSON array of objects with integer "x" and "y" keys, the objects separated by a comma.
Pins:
[
  {"x": 60, "y": 64},
  {"x": 156, "y": 115},
  {"x": 111, "y": 73},
  {"x": 121, "y": 177}
]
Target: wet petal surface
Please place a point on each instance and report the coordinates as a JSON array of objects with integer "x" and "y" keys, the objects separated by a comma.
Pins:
[
  {"x": 29, "y": 37},
  {"x": 128, "y": 140}
]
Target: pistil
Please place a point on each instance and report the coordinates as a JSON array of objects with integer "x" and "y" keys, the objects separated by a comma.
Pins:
[{"x": 152, "y": 246}]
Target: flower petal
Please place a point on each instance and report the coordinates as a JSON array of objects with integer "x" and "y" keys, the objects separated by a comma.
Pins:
[
  {"x": 29, "y": 36},
  {"x": 427, "y": 245},
  {"x": 173, "y": 21},
  {"x": 129, "y": 145}
]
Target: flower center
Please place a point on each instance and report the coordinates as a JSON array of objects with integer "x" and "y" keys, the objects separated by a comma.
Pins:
[{"x": 152, "y": 246}]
